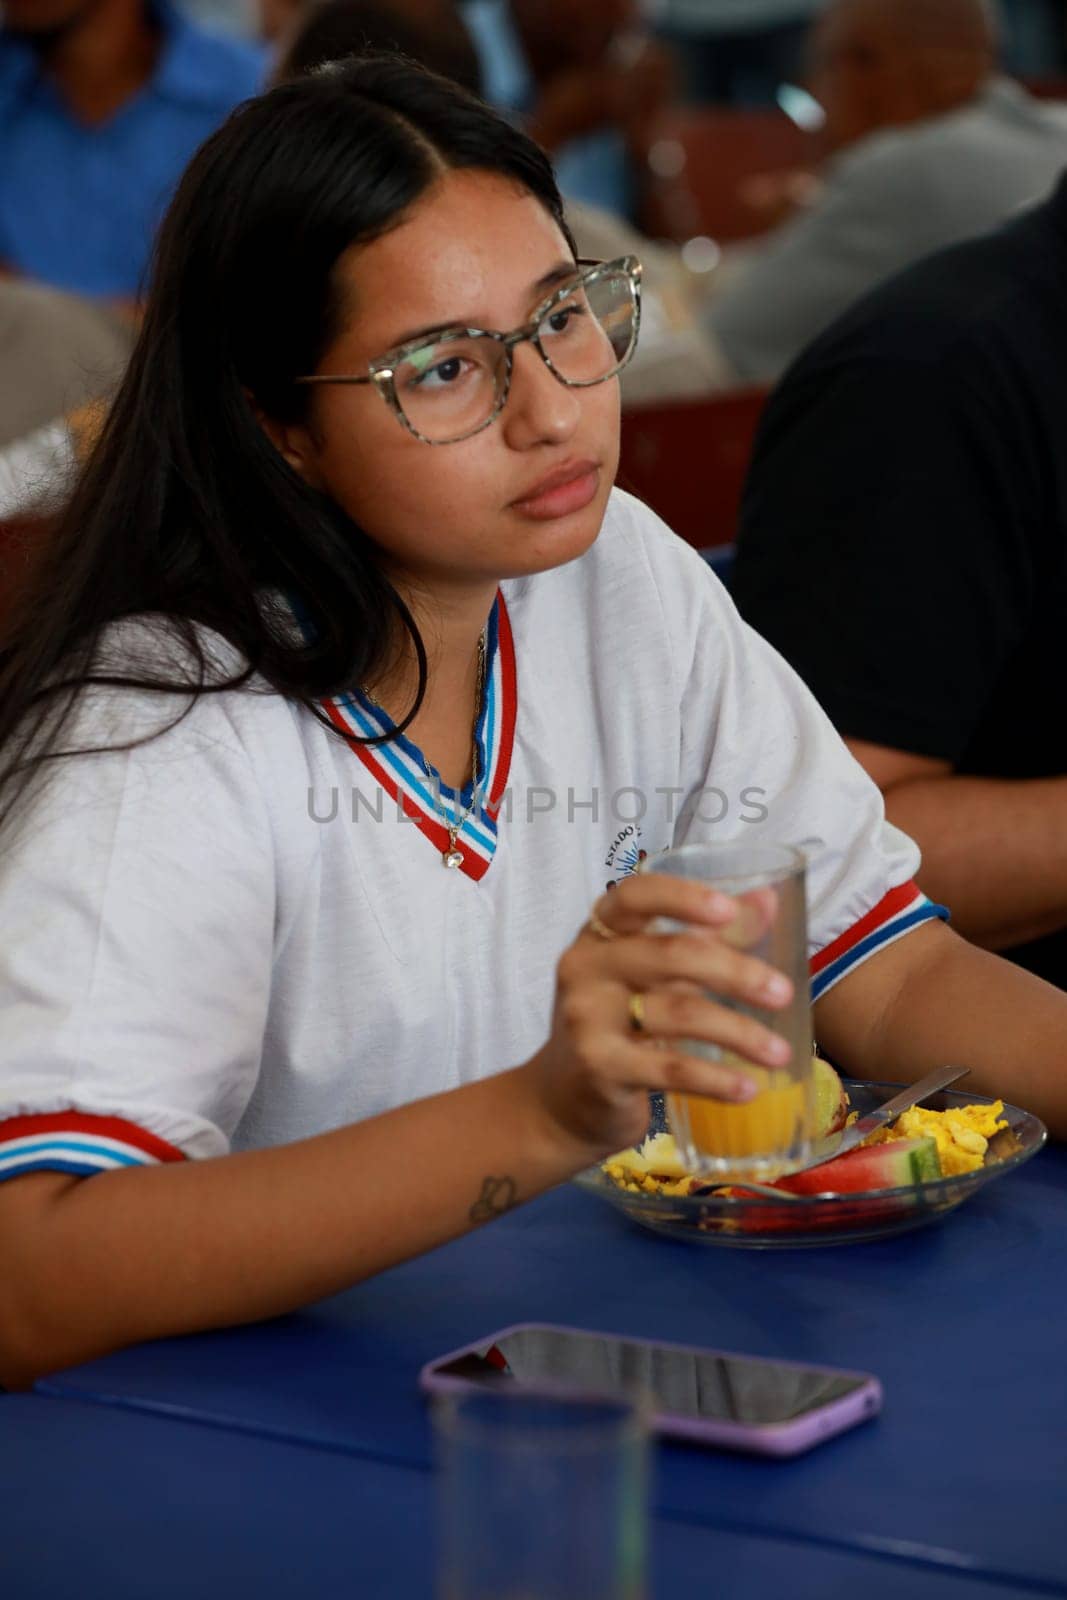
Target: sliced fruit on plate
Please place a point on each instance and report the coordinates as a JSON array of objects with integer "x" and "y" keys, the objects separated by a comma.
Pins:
[
  {"x": 831, "y": 1101},
  {"x": 899, "y": 1165}
]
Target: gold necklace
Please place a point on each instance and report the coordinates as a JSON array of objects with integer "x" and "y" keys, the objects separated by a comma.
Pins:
[{"x": 453, "y": 857}]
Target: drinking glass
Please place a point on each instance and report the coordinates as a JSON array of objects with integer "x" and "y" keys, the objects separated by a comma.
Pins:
[
  {"x": 542, "y": 1496},
  {"x": 771, "y": 1134}
]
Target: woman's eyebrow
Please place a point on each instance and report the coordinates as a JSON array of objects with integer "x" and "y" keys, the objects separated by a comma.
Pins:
[{"x": 544, "y": 285}]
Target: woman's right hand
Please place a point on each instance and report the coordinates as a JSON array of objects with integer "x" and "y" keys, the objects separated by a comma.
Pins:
[{"x": 595, "y": 1072}]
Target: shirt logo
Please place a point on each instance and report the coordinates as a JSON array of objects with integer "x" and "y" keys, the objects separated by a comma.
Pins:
[{"x": 625, "y": 855}]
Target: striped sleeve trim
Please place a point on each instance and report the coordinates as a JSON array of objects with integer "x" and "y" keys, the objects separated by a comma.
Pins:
[
  {"x": 75, "y": 1141},
  {"x": 901, "y": 910}
]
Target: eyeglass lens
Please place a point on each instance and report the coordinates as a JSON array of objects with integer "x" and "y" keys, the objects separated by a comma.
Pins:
[{"x": 451, "y": 387}]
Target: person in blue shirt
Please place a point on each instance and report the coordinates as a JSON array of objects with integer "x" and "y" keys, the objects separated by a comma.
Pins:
[
  {"x": 587, "y": 81},
  {"x": 102, "y": 103}
]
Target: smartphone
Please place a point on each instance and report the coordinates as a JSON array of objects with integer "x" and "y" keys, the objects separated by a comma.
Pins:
[{"x": 736, "y": 1402}]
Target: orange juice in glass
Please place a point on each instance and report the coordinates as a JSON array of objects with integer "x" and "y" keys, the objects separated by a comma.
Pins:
[{"x": 770, "y": 1134}]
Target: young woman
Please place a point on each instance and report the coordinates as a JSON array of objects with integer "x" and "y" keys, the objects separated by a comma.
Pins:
[{"x": 346, "y": 699}]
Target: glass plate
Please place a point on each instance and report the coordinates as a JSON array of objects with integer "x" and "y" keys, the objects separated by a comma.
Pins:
[{"x": 757, "y": 1223}]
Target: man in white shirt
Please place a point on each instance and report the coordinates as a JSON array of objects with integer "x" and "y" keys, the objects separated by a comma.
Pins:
[
  {"x": 929, "y": 146},
  {"x": 57, "y": 351}
]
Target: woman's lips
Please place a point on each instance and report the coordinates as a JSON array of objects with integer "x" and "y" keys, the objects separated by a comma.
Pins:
[{"x": 561, "y": 493}]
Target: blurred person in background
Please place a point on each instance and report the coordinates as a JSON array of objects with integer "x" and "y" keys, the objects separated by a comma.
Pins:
[
  {"x": 736, "y": 51},
  {"x": 904, "y": 545},
  {"x": 589, "y": 81},
  {"x": 102, "y": 102},
  {"x": 39, "y": 445},
  {"x": 57, "y": 351},
  {"x": 431, "y": 32},
  {"x": 927, "y": 145}
]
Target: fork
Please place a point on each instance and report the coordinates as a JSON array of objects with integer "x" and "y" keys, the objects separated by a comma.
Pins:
[{"x": 758, "y": 1188}]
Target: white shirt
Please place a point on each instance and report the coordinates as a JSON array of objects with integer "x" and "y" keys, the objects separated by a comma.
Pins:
[
  {"x": 193, "y": 963},
  {"x": 892, "y": 198}
]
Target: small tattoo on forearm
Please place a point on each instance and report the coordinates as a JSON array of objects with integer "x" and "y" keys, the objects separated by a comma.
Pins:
[{"x": 498, "y": 1195}]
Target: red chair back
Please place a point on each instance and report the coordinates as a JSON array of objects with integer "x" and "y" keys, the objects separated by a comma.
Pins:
[
  {"x": 1046, "y": 88},
  {"x": 688, "y": 461},
  {"x": 711, "y": 154}
]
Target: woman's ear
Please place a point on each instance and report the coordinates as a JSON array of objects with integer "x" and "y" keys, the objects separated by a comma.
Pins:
[{"x": 292, "y": 440}]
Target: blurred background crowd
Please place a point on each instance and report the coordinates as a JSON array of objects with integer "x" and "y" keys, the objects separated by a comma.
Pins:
[
  {"x": 770, "y": 160},
  {"x": 776, "y": 165}
]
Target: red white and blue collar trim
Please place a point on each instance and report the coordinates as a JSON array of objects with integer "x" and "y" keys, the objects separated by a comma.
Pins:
[
  {"x": 896, "y": 914},
  {"x": 78, "y": 1142},
  {"x": 400, "y": 769}
]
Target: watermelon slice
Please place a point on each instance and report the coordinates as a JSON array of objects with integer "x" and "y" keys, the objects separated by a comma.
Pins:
[{"x": 896, "y": 1165}]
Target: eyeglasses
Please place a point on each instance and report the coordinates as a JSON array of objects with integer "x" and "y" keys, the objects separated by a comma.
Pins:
[{"x": 451, "y": 386}]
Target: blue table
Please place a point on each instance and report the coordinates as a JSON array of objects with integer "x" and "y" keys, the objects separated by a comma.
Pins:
[
  {"x": 103, "y": 1502},
  {"x": 964, "y": 1474}
]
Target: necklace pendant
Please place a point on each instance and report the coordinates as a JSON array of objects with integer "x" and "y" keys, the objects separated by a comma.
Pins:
[{"x": 452, "y": 858}]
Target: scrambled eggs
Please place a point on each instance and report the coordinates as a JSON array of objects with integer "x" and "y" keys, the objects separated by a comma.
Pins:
[
  {"x": 962, "y": 1133},
  {"x": 656, "y": 1168}
]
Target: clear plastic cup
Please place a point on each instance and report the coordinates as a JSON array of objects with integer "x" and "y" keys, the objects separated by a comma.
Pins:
[
  {"x": 771, "y": 1134},
  {"x": 541, "y": 1496}
]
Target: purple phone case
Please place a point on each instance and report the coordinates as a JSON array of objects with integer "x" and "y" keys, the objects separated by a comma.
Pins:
[{"x": 764, "y": 1439}]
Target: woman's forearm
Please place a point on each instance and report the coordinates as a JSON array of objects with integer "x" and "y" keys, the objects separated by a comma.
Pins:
[
  {"x": 931, "y": 999},
  {"x": 90, "y": 1265}
]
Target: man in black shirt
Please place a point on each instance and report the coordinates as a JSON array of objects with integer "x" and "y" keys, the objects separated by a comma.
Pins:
[{"x": 904, "y": 544}]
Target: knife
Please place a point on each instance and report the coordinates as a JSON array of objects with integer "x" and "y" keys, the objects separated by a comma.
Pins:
[{"x": 836, "y": 1144}]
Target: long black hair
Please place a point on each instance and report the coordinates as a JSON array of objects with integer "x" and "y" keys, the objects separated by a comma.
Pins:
[{"x": 185, "y": 512}]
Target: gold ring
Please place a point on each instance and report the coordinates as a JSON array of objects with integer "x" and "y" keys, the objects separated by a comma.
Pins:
[
  {"x": 601, "y": 929},
  {"x": 637, "y": 1012}
]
